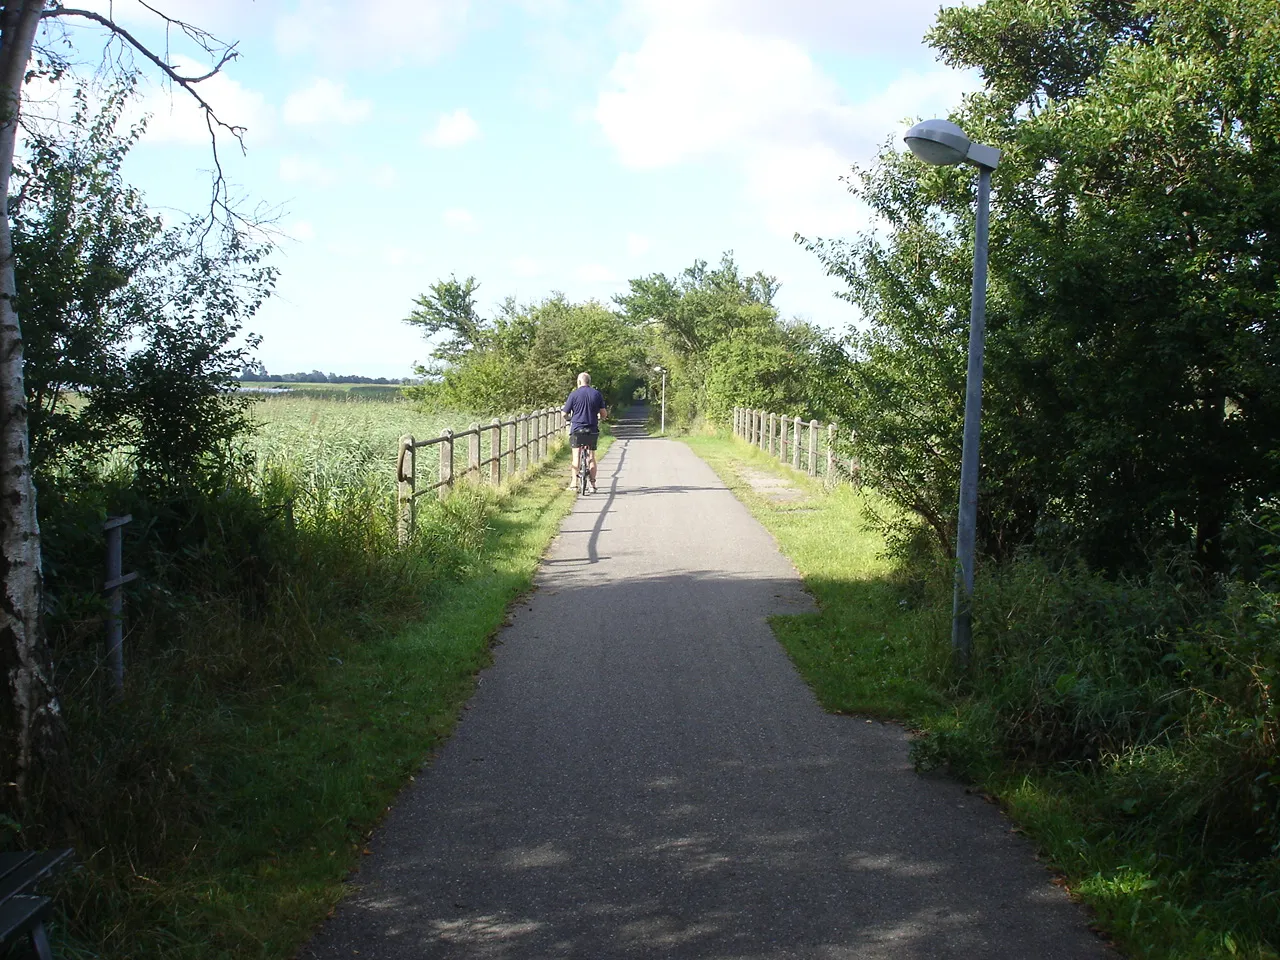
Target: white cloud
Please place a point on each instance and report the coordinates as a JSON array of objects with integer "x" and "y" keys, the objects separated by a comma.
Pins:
[
  {"x": 527, "y": 267},
  {"x": 226, "y": 18},
  {"x": 595, "y": 273},
  {"x": 460, "y": 219},
  {"x": 397, "y": 256},
  {"x": 684, "y": 93},
  {"x": 452, "y": 130},
  {"x": 300, "y": 230},
  {"x": 306, "y": 170},
  {"x": 177, "y": 118},
  {"x": 384, "y": 176},
  {"x": 383, "y": 32},
  {"x": 637, "y": 245},
  {"x": 858, "y": 27},
  {"x": 704, "y": 84},
  {"x": 324, "y": 101}
]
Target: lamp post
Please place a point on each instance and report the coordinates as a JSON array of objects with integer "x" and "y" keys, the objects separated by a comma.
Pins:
[
  {"x": 943, "y": 143},
  {"x": 663, "y": 371}
]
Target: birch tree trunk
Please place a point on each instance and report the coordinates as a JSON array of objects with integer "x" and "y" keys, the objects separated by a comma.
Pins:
[{"x": 31, "y": 732}]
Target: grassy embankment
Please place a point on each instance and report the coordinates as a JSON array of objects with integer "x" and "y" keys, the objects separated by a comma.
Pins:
[
  {"x": 880, "y": 646},
  {"x": 262, "y": 738}
]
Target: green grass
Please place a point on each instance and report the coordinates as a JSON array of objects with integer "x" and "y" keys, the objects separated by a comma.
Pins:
[
  {"x": 284, "y": 683},
  {"x": 369, "y": 389},
  {"x": 861, "y": 653},
  {"x": 331, "y": 441},
  {"x": 297, "y": 778},
  {"x": 879, "y": 646}
]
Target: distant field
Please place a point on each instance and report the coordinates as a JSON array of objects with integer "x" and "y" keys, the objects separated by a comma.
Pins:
[
  {"x": 337, "y": 443},
  {"x": 366, "y": 391}
]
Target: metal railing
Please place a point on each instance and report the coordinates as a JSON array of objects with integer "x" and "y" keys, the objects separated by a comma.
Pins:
[{"x": 515, "y": 445}]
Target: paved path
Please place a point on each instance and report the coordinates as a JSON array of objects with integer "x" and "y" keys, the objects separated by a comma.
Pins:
[{"x": 643, "y": 774}]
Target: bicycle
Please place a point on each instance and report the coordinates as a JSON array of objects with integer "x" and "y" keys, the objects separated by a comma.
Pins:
[{"x": 586, "y": 460}]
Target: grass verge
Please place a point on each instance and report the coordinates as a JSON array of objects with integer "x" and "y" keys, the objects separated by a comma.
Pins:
[
  {"x": 293, "y": 780},
  {"x": 860, "y": 652},
  {"x": 879, "y": 647}
]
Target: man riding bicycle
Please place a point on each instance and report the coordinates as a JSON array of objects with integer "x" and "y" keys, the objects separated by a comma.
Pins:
[{"x": 585, "y": 407}]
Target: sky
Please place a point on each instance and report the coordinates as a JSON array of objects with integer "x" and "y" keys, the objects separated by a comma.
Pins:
[{"x": 538, "y": 145}]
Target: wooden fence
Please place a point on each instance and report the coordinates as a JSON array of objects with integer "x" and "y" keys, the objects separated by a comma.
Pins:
[
  {"x": 786, "y": 439},
  {"x": 514, "y": 446}
]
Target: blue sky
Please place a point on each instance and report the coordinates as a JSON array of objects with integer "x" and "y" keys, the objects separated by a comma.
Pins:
[{"x": 538, "y": 145}]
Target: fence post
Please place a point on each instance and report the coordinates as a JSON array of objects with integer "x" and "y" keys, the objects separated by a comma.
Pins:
[
  {"x": 795, "y": 443},
  {"x": 512, "y": 427},
  {"x": 735, "y": 421},
  {"x": 406, "y": 478},
  {"x": 813, "y": 448},
  {"x": 782, "y": 438},
  {"x": 831, "y": 452},
  {"x": 473, "y": 453},
  {"x": 544, "y": 440},
  {"x": 446, "y": 462},
  {"x": 773, "y": 430},
  {"x": 855, "y": 468},
  {"x": 112, "y": 585},
  {"x": 759, "y": 417},
  {"x": 495, "y": 452}
]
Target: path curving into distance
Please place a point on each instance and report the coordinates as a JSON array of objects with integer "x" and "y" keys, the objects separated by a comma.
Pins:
[{"x": 661, "y": 783}]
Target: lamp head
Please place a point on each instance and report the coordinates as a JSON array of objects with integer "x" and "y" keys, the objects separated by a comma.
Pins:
[{"x": 943, "y": 143}]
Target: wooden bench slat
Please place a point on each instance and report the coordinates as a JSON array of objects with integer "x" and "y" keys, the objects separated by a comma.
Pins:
[
  {"x": 10, "y": 862},
  {"x": 20, "y": 913},
  {"x": 31, "y": 871}
]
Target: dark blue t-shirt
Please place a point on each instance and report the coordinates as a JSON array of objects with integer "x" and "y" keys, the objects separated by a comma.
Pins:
[{"x": 583, "y": 407}]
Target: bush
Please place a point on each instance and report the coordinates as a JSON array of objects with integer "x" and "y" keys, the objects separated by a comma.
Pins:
[
  {"x": 241, "y": 588},
  {"x": 1150, "y": 703}
]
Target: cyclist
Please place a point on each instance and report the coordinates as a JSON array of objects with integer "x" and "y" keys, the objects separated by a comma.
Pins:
[{"x": 585, "y": 407}]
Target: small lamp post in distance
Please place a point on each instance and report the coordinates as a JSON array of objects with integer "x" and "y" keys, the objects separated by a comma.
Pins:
[
  {"x": 663, "y": 371},
  {"x": 943, "y": 143}
]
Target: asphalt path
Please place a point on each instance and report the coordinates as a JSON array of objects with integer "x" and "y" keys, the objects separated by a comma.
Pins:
[{"x": 642, "y": 773}]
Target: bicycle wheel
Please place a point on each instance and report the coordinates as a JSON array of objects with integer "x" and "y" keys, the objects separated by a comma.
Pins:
[{"x": 584, "y": 472}]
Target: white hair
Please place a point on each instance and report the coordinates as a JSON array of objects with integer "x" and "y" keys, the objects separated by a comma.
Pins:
[{"x": 584, "y": 379}]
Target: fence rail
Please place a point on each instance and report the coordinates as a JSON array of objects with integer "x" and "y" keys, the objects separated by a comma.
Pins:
[
  {"x": 784, "y": 438},
  {"x": 514, "y": 446}
]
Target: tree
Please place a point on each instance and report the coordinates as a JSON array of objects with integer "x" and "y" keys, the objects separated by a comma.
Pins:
[
  {"x": 450, "y": 307},
  {"x": 30, "y": 728},
  {"x": 719, "y": 334},
  {"x": 1131, "y": 389},
  {"x": 526, "y": 356},
  {"x": 137, "y": 319}
]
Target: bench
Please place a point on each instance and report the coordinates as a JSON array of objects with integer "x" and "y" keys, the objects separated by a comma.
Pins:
[{"x": 22, "y": 911}]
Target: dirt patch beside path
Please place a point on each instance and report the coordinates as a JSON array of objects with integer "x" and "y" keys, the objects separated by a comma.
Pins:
[{"x": 778, "y": 489}]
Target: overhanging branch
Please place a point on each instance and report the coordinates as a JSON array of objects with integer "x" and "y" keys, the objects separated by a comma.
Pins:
[
  {"x": 223, "y": 53},
  {"x": 187, "y": 83}
]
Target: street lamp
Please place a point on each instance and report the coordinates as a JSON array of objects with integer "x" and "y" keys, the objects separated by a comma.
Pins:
[
  {"x": 663, "y": 371},
  {"x": 942, "y": 143}
]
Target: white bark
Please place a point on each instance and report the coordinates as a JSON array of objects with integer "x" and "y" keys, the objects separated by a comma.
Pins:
[{"x": 31, "y": 724}]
